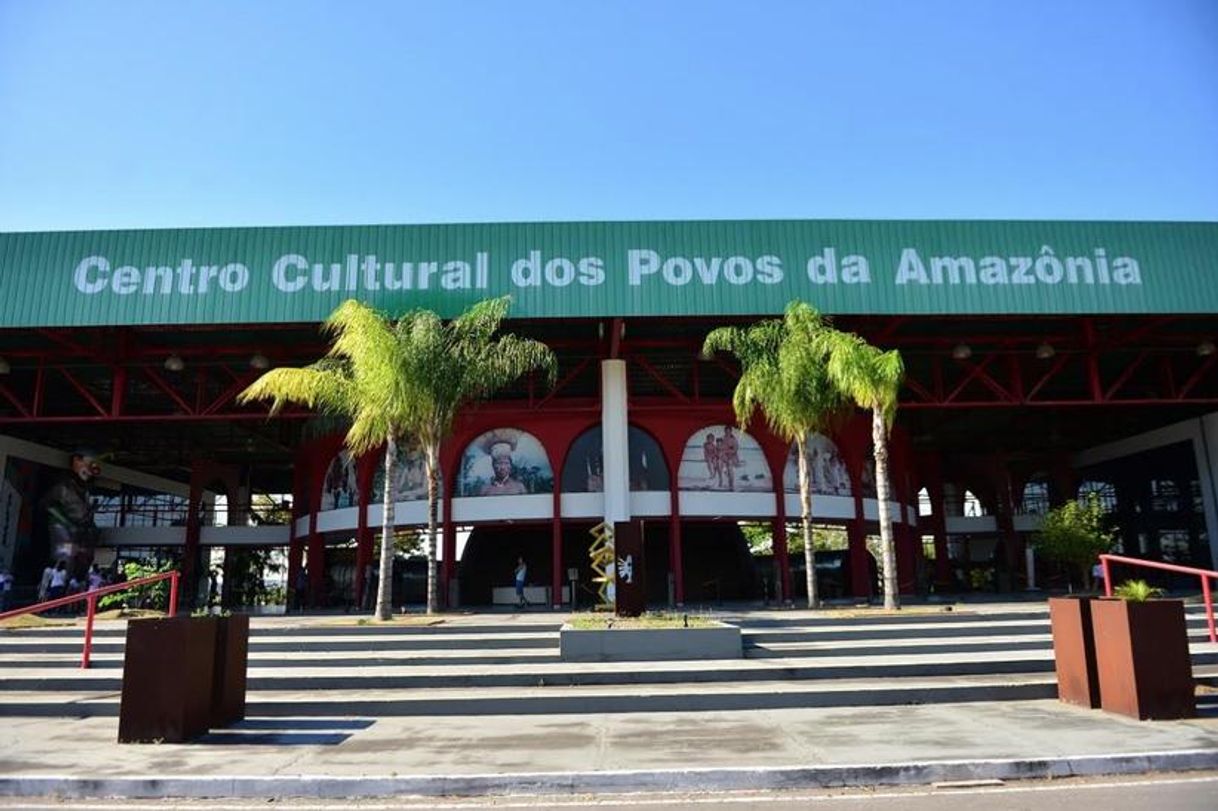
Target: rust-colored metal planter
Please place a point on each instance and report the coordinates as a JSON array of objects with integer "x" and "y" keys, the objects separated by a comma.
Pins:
[
  {"x": 1141, "y": 650},
  {"x": 232, "y": 655},
  {"x": 167, "y": 679},
  {"x": 1074, "y": 651}
]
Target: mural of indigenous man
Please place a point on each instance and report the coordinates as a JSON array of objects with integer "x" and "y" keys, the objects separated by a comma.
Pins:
[
  {"x": 504, "y": 481},
  {"x": 505, "y": 462},
  {"x": 69, "y": 514}
]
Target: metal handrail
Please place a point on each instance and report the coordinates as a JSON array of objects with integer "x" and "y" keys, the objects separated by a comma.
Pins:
[
  {"x": 91, "y": 598},
  {"x": 1204, "y": 574}
]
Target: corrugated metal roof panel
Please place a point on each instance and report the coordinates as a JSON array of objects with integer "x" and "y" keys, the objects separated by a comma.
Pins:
[{"x": 559, "y": 270}]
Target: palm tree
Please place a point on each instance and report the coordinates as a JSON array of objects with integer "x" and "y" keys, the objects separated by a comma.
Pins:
[
  {"x": 446, "y": 366},
  {"x": 360, "y": 379},
  {"x": 784, "y": 372},
  {"x": 871, "y": 378},
  {"x": 401, "y": 384}
]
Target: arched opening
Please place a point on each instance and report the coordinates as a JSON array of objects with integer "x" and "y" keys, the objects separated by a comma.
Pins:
[{"x": 1035, "y": 497}]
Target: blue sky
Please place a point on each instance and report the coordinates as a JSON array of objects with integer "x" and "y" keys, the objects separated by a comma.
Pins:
[{"x": 161, "y": 114}]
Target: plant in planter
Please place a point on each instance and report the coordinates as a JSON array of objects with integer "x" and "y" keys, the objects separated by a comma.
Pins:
[
  {"x": 1136, "y": 591},
  {"x": 1074, "y": 535},
  {"x": 650, "y": 637},
  {"x": 1141, "y": 652}
]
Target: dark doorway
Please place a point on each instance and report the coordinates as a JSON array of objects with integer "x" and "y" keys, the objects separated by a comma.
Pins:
[
  {"x": 717, "y": 562},
  {"x": 489, "y": 559}
]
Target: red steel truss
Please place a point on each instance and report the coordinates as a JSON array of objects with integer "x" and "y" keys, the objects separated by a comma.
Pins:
[{"x": 119, "y": 374}]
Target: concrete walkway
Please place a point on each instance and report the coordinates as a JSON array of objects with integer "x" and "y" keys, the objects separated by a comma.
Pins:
[
  {"x": 340, "y": 752},
  {"x": 305, "y": 756}
]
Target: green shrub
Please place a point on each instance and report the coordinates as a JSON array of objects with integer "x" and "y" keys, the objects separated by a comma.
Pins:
[
  {"x": 1075, "y": 534},
  {"x": 1136, "y": 591},
  {"x": 154, "y": 595}
]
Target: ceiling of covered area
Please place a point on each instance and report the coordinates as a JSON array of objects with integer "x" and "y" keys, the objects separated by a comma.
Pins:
[{"x": 1107, "y": 378}]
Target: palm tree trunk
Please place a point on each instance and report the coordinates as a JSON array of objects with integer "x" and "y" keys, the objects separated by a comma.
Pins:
[
  {"x": 433, "y": 505},
  {"x": 805, "y": 517},
  {"x": 384, "y": 585},
  {"x": 879, "y": 438}
]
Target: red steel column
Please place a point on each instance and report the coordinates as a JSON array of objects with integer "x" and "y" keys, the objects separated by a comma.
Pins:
[
  {"x": 295, "y": 541},
  {"x": 676, "y": 563},
  {"x": 779, "y": 529},
  {"x": 315, "y": 551},
  {"x": 905, "y": 537},
  {"x": 190, "y": 552},
  {"x": 860, "y": 568},
  {"x": 556, "y": 576},
  {"x": 314, "y": 547},
  {"x": 856, "y": 535},
  {"x": 906, "y": 557},
  {"x": 363, "y": 535},
  {"x": 448, "y": 565},
  {"x": 938, "y": 522}
]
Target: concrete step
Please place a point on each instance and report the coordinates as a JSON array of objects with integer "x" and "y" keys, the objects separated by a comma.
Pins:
[
  {"x": 317, "y": 675},
  {"x": 553, "y": 700},
  {"x": 470, "y": 666}
]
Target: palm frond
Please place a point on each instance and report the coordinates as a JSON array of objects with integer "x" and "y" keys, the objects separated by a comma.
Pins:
[{"x": 322, "y": 387}]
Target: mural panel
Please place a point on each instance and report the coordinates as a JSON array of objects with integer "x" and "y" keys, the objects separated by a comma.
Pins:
[
  {"x": 411, "y": 478},
  {"x": 826, "y": 468},
  {"x": 583, "y": 470},
  {"x": 339, "y": 489},
  {"x": 505, "y": 462},
  {"x": 724, "y": 458}
]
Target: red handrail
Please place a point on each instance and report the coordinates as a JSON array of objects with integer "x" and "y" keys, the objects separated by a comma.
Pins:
[
  {"x": 1204, "y": 574},
  {"x": 91, "y": 598}
]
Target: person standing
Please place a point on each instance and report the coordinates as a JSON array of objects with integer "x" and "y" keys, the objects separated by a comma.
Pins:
[
  {"x": 6, "y": 589},
  {"x": 521, "y": 575},
  {"x": 44, "y": 585},
  {"x": 302, "y": 588},
  {"x": 59, "y": 583}
]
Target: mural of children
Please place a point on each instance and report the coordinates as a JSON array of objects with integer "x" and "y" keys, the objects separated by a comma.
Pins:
[
  {"x": 721, "y": 465},
  {"x": 710, "y": 452},
  {"x": 722, "y": 458},
  {"x": 731, "y": 448}
]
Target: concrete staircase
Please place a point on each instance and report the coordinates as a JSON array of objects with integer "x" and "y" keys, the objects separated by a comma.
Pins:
[{"x": 509, "y": 665}]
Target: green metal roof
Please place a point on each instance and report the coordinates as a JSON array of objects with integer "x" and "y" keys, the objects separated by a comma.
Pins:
[{"x": 594, "y": 269}]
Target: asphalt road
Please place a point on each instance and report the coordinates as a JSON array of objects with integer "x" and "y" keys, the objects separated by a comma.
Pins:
[{"x": 1190, "y": 792}]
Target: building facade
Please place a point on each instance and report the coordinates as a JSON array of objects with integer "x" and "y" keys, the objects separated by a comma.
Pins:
[{"x": 1045, "y": 360}]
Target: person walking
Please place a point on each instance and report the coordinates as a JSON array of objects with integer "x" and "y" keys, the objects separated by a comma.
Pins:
[
  {"x": 59, "y": 584},
  {"x": 521, "y": 574}
]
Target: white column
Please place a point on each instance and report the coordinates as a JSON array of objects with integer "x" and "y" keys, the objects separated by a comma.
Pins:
[{"x": 615, "y": 440}]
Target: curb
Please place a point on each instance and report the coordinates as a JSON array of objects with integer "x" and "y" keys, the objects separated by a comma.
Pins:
[{"x": 609, "y": 782}]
